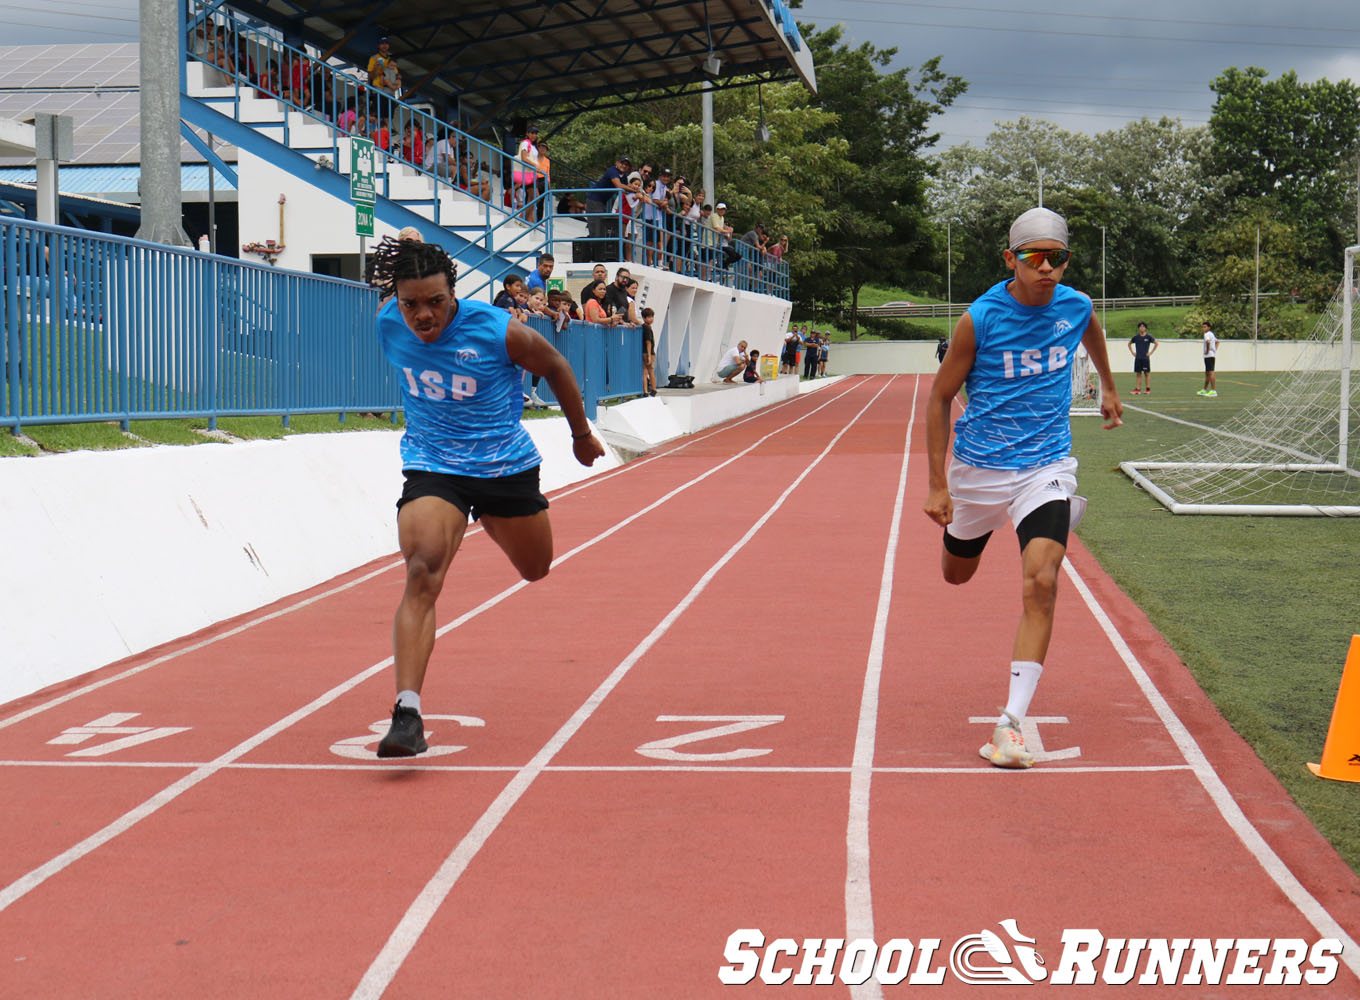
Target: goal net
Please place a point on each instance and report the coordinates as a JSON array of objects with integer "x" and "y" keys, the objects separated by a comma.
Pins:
[
  {"x": 1292, "y": 451},
  {"x": 1085, "y": 386}
]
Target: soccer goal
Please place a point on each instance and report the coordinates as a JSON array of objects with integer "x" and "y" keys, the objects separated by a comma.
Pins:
[
  {"x": 1085, "y": 386},
  {"x": 1291, "y": 452}
]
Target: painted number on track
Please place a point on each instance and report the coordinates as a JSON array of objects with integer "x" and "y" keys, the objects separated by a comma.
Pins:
[
  {"x": 665, "y": 749},
  {"x": 359, "y": 747},
  {"x": 1034, "y": 742},
  {"x": 113, "y": 725}
]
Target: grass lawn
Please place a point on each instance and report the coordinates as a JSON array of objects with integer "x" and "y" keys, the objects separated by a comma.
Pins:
[
  {"x": 1164, "y": 322},
  {"x": 1261, "y": 609}
]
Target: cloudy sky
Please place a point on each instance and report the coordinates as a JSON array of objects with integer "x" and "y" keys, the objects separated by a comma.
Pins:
[
  {"x": 54, "y": 21},
  {"x": 1089, "y": 66},
  {"x": 1092, "y": 66}
]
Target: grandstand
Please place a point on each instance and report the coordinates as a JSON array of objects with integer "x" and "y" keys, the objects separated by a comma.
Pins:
[{"x": 96, "y": 327}]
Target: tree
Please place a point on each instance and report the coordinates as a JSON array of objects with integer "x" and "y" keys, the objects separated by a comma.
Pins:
[
  {"x": 1140, "y": 186},
  {"x": 1294, "y": 143},
  {"x": 768, "y": 182},
  {"x": 978, "y": 192},
  {"x": 880, "y": 229},
  {"x": 1227, "y": 280}
]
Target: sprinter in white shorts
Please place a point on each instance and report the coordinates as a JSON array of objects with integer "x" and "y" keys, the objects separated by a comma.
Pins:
[{"x": 1012, "y": 449}]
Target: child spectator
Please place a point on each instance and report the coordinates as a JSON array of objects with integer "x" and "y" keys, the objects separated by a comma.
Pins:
[
  {"x": 382, "y": 69},
  {"x": 525, "y": 173},
  {"x": 752, "y": 373},
  {"x": 508, "y": 298},
  {"x": 648, "y": 353}
]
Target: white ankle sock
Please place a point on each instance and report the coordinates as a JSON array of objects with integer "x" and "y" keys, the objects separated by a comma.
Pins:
[
  {"x": 409, "y": 699},
  {"x": 1024, "y": 679}
]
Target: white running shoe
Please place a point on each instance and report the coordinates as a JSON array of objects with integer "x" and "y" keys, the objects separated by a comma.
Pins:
[
  {"x": 1007, "y": 748},
  {"x": 536, "y": 400}
]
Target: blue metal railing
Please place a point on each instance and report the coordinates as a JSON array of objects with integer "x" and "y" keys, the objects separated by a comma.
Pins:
[
  {"x": 607, "y": 360},
  {"x": 684, "y": 246},
  {"x": 106, "y": 328}
]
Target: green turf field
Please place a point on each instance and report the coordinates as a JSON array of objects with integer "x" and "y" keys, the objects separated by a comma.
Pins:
[{"x": 1261, "y": 609}]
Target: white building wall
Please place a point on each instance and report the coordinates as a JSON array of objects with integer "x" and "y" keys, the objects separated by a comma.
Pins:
[{"x": 878, "y": 357}]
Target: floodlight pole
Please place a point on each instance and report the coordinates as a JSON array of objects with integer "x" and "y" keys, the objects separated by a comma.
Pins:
[
  {"x": 1103, "y": 296},
  {"x": 948, "y": 277},
  {"x": 162, "y": 71},
  {"x": 1256, "y": 295},
  {"x": 1347, "y": 307},
  {"x": 708, "y": 142}
]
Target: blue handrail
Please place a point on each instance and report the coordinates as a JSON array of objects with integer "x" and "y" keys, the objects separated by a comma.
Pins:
[
  {"x": 681, "y": 245},
  {"x": 106, "y": 328}
]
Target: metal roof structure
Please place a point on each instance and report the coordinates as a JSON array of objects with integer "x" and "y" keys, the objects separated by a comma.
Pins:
[
  {"x": 548, "y": 58},
  {"x": 96, "y": 84},
  {"x": 16, "y": 196},
  {"x": 118, "y": 182}
]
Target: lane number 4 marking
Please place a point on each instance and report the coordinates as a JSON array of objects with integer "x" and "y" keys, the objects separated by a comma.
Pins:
[
  {"x": 113, "y": 725},
  {"x": 665, "y": 749}
]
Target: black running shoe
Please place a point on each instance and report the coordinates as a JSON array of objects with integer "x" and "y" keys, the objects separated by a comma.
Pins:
[{"x": 406, "y": 738}]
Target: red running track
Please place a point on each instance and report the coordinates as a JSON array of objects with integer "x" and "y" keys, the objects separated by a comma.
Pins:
[{"x": 743, "y": 700}]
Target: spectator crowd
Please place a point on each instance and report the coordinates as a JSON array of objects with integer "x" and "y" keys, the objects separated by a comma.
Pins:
[
  {"x": 655, "y": 218},
  {"x": 649, "y": 215}
]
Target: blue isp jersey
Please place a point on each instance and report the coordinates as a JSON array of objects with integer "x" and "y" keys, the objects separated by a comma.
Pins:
[
  {"x": 464, "y": 396},
  {"x": 1020, "y": 386}
]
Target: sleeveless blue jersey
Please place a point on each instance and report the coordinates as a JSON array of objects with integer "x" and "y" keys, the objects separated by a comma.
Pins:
[
  {"x": 464, "y": 400},
  {"x": 1020, "y": 386}
]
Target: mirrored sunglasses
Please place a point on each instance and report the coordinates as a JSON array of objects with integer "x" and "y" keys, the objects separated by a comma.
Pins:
[{"x": 1034, "y": 258}]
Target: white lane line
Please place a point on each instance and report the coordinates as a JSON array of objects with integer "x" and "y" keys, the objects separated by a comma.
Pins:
[
  {"x": 606, "y": 768},
  {"x": 859, "y": 904},
  {"x": 263, "y": 619},
  {"x": 202, "y": 644},
  {"x": 422, "y": 910},
  {"x": 27, "y": 883},
  {"x": 1232, "y": 813}
]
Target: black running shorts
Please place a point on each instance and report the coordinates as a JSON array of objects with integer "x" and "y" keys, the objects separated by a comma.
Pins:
[{"x": 516, "y": 495}]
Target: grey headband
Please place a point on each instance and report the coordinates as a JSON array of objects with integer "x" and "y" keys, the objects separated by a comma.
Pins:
[{"x": 1038, "y": 224}]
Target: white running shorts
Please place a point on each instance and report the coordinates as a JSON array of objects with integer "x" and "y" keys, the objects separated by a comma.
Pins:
[{"x": 986, "y": 499}]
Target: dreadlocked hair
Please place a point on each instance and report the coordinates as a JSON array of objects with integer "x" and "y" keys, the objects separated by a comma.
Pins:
[{"x": 400, "y": 260}]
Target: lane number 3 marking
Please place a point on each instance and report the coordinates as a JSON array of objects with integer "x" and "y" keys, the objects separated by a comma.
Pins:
[{"x": 361, "y": 748}]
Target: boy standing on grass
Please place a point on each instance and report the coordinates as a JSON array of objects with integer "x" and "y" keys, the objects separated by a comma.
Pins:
[
  {"x": 1012, "y": 449},
  {"x": 1210, "y": 358},
  {"x": 1142, "y": 345},
  {"x": 465, "y": 454}
]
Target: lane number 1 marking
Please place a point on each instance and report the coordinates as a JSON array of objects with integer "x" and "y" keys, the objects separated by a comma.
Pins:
[
  {"x": 664, "y": 749},
  {"x": 1034, "y": 743}
]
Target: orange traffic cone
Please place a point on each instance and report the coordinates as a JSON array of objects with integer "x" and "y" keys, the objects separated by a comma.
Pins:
[{"x": 1341, "y": 752}]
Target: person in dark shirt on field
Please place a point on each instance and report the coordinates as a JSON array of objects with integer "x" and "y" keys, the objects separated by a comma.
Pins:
[{"x": 1142, "y": 346}]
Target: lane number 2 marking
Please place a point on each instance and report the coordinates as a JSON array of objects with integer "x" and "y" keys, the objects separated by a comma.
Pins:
[{"x": 665, "y": 749}]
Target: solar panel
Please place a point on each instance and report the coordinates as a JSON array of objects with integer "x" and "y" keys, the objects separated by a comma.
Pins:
[{"x": 96, "y": 84}]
